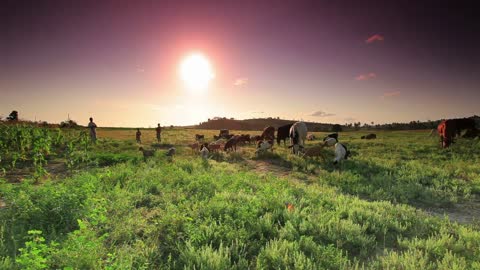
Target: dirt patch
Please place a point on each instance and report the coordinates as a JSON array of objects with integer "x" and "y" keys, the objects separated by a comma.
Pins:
[
  {"x": 268, "y": 167},
  {"x": 463, "y": 213}
]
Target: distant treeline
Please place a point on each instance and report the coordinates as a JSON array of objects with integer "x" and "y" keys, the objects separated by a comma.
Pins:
[{"x": 261, "y": 123}]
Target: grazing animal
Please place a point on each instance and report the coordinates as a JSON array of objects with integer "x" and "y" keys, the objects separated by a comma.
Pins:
[
  {"x": 311, "y": 137},
  {"x": 331, "y": 135},
  {"x": 256, "y": 138},
  {"x": 170, "y": 152},
  {"x": 244, "y": 138},
  {"x": 370, "y": 136},
  {"x": 199, "y": 137},
  {"x": 329, "y": 141},
  {"x": 194, "y": 146},
  {"x": 447, "y": 130},
  {"x": 147, "y": 153},
  {"x": 283, "y": 133},
  {"x": 298, "y": 134},
  {"x": 214, "y": 147},
  {"x": 230, "y": 145},
  {"x": 204, "y": 152},
  {"x": 268, "y": 133},
  {"x": 263, "y": 146},
  {"x": 341, "y": 153}
]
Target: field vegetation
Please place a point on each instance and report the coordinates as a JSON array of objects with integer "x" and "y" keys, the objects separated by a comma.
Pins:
[{"x": 110, "y": 209}]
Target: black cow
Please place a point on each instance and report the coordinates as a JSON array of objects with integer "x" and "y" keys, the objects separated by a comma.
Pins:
[{"x": 283, "y": 133}]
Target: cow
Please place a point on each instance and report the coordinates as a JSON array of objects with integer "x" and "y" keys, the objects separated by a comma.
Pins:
[
  {"x": 283, "y": 134},
  {"x": 199, "y": 137},
  {"x": 244, "y": 138},
  {"x": 341, "y": 153},
  {"x": 298, "y": 134},
  {"x": 447, "y": 130},
  {"x": 268, "y": 133},
  {"x": 231, "y": 145},
  {"x": 370, "y": 136}
]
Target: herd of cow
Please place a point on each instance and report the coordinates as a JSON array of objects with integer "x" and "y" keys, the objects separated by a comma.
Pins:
[
  {"x": 451, "y": 128},
  {"x": 295, "y": 132}
]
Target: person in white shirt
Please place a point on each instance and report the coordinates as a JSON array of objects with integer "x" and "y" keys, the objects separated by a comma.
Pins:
[{"x": 93, "y": 132}]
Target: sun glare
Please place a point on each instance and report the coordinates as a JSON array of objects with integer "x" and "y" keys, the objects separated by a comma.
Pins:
[{"x": 196, "y": 72}]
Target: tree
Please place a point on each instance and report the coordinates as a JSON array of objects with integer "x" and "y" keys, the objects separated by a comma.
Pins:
[
  {"x": 336, "y": 128},
  {"x": 13, "y": 116}
]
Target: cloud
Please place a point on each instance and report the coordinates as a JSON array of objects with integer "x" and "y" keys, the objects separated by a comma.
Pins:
[
  {"x": 240, "y": 81},
  {"x": 391, "y": 94},
  {"x": 365, "y": 77},
  {"x": 321, "y": 114},
  {"x": 374, "y": 38}
]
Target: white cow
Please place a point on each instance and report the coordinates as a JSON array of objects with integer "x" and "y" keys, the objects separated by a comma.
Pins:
[
  {"x": 341, "y": 153},
  {"x": 298, "y": 135}
]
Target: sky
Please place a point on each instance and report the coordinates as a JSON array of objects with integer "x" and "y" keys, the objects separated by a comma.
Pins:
[{"x": 323, "y": 61}]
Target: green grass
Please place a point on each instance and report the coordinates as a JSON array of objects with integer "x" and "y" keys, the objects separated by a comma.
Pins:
[{"x": 187, "y": 213}]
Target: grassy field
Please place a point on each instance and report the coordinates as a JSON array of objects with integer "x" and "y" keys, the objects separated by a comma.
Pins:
[{"x": 382, "y": 209}]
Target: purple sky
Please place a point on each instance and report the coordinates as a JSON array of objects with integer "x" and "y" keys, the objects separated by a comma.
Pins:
[{"x": 325, "y": 61}]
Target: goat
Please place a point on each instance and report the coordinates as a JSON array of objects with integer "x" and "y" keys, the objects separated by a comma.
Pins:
[{"x": 147, "y": 153}]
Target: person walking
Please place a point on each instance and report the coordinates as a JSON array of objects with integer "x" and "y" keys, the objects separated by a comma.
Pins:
[
  {"x": 93, "y": 130},
  {"x": 159, "y": 133},
  {"x": 138, "y": 136}
]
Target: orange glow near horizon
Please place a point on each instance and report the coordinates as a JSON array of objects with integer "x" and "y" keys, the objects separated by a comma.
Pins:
[{"x": 196, "y": 72}]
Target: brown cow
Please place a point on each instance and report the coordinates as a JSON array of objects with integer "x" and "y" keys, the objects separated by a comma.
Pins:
[
  {"x": 231, "y": 145},
  {"x": 447, "y": 130},
  {"x": 268, "y": 133}
]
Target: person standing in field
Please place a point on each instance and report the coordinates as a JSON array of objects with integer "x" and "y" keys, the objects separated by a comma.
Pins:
[
  {"x": 138, "y": 136},
  {"x": 93, "y": 130},
  {"x": 159, "y": 133}
]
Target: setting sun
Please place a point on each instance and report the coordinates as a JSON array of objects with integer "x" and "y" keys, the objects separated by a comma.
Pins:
[{"x": 196, "y": 72}]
